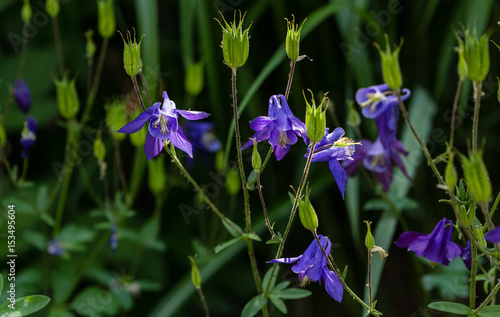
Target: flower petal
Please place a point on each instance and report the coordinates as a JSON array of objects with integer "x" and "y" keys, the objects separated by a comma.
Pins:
[
  {"x": 260, "y": 123},
  {"x": 136, "y": 124},
  {"x": 406, "y": 238},
  {"x": 180, "y": 141},
  {"x": 285, "y": 260},
  {"x": 192, "y": 115},
  {"x": 493, "y": 236},
  {"x": 280, "y": 151},
  {"x": 339, "y": 174},
  {"x": 332, "y": 285},
  {"x": 153, "y": 146},
  {"x": 261, "y": 135}
]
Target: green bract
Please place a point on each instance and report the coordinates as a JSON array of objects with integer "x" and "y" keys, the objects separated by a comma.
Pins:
[
  {"x": 390, "y": 64},
  {"x": 293, "y": 39},
  {"x": 315, "y": 119},
  {"x": 450, "y": 175},
  {"x": 235, "y": 42},
  {"x": 106, "y": 18},
  {"x": 132, "y": 55},
  {"x": 67, "y": 97}
]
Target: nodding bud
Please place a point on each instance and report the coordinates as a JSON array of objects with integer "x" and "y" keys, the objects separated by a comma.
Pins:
[
  {"x": 132, "y": 61},
  {"x": 194, "y": 78},
  {"x": 315, "y": 118},
  {"x": 235, "y": 42},
  {"x": 477, "y": 55},
  {"x": 256, "y": 159},
  {"x": 369, "y": 239},
  {"x": 450, "y": 174},
  {"x": 476, "y": 176},
  {"x": 390, "y": 64},
  {"x": 99, "y": 148},
  {"x": 106, "y": 18},
  {"x": 307, "y": 214},
  {"x": 22, "y": 95},
  {"x": 52, "y": 7},
  {"x": 195, "y": 272},
  {"x": 293, "y": 39},
  {"x": 26, "y": 12},
  {"x": 67, "y": 97}
]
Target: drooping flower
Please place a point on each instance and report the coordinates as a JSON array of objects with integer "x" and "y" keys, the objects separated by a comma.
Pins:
[
  {"x": 22, "y": 95},
  {"x": 54, "y": 248},
  {"x": 28, "y": 136},
  {"x": 381, "y": 104},
  {"x": 435, "y": 246},
  {"x": 333, "y": 148},
  {"x": 378, "y": 160},
  {"x": 202, "y": 139},
  {"x": 312, "y": 266},
  {"x": 493, "y": 236},
  {"x": 281, "y": 128},
  {"x": 163, "y": 126}
]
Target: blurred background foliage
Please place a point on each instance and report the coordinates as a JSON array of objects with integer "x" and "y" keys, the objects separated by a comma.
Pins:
[{"x": 148, "y": 274}]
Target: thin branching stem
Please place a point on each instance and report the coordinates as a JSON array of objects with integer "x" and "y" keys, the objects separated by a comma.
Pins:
[{"x": 477, "y": 104}]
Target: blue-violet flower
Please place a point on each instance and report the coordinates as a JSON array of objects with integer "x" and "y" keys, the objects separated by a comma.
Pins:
[
  {"x": 202, "y": 139},
  {"x": 28, "y": 136},
  {"x": 312, "y": 266},
  {"x": 22, "y": 95},
  {"x": 493, "y": 236},
  {"x": 382, "y": 105},
  {"x": 379, "y": 160},
  {"x": 54, "y": 248},
  {"x": 333, "y": 148},
  {"x": 163, "y": 126},
  {"x": 280, "y": 127},
  {"x": 436, "y": 246}
]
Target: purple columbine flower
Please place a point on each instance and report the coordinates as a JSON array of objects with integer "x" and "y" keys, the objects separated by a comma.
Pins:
[
  {"x": 378, "y": 160},
  {"x": 333, "y": 148},
  {"x": 163, "y": 126},
  {"x": 28, "y": 136},
  {"x": 280, "y": 127},
  {"x": 381, "y": 104},
  {"x": 54, "y": 248},
  {"x": 22, "y": 95},
  {"x": 436, "y": 246},
  {"x": 312, "y": 266},
  {"x": 467, "y": 256},
  {"x": 493, "y": 236},
  {"x": 202, "y": 139}
]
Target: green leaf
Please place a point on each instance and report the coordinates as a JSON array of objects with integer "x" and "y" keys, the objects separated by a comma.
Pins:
[
  {"x": 490, "y": 311},
  {"x": 449, "y": 307},
  {"x": 24, "y": 306},
  {"x": 42, "y": 197},
  {"x": 293, "y": 293},
  {"x": 269, "y": 279},
  {"x": 344, "y": 273},
  {"x": 231, "y": 230},
  {"x": 252, "y": 236},
  {"x": 281, "y": 286},
  {"x": 253, "y": 306},
  {"x": 273, "y": 241},
  {"x": 225, "y": 245},
  {"x": 279, "y": 304},
  {"x": 93, "y": 301},
  {"x": 375, "y": 204}
]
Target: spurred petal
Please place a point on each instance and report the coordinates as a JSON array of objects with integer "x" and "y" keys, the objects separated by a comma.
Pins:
[
  {"x": 152, "y": 147},
  {"x": 260, "y": 123},
  {"x": 180, "y": 141},
  {"x": 339, "y": 174},
  {"x": 261, "y": 135},
  {"x": 136, "y": 124},
  {"x": 332, "y": 285},
  {"x": 192, "y": 115},
  {"x": 362, "y": 94}
]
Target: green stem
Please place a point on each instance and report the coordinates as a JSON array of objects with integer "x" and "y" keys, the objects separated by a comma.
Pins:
[
  {"x": 203, "y": 300},
  {"x": 145, "y": 87},
  {"x": 370, "y": 298},
  {"x": 138, "y": 92},
  {"x": 25, "y": 170},
  {"x": 490, "y": 297},
  {"x": 268, "y": 156},
  {"x": 90, "y": 189},
  {"x": 472, "y": 299},
  {"x": 57, "y": 40},
  {"x": 454, "y": 112},
  {"x": 290, "y": 78},
  {"x": 95, "y": 81},
  {"x": 264, "y": 209},
  {"x": 477, "y": 104},
  {"x": 22, "y": 59},
  {"x": 136, "y": 175},
  {"x": 119, "y": 169}
]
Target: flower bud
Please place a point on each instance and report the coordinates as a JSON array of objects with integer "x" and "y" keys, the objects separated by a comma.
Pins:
[
  {"x": 115, "y": 119},
  {"x": 256, "y": 160},
  {"x": 28, "y": 136},
  {"x": 233, "y": 182},
  {"x": 99, "y": 148},
  {"x": 22, "y": 95},
  {"x": 476, "y": 176},
  {"x": 293, "y": 39},
  {"x": 138, "y": 139},
  {"x": 450, "y": 174},
  {"x": 132, "y": 55},
  {"x": 106, "y": 18},
  {"x": 90, "y": 46},
  {"x": 390, "y": 64},
  {"x": 307, "y": 214},
  {"x": 157, "y": 176},
  {"x": 235, "y": 42},
  {"x": 477, "y": 55},
  {"x": 194, "y": 78},
  {"x": 462, "y": 67},
  {"x": 52, "y": 7},
  {"x": 67, "y": 97},
  {"x": 315, "y": 118},
  {"x": 3, "y": 136},
  {"x": 353, "y": 117},
  {"x": 26, "y": 12},
  {"x": 369, "y": 239},
  {"x": 195, "y": 273}
]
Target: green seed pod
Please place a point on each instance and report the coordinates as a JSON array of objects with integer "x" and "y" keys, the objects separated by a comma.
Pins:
[
  {"x": 132, "y": 61},
  {"x": 293, "y": 39},
  {"x": 476, "y": 176},
  {"x": 67, "y": 97},
  {"x": 106, "y": 18},
  {"x": 235, "y": 42},
  {"x": 390, "y": 64},
  {"x": 26, "y": 12},
  {"x": 450, "y": 175},
  {"x": 90, "y": 46},
  {"x": 256, "y": 159},
  {"x": 52, "y": 7},
  {"x": 315, "y": 118},
  {"x": 195, "y": 273},
  {"x": 157, "y": 176},
  {"x": 194, "y": 78},
  {"x": 116, "y": 118},
  {"x": 233, "y": 182},
  {"x": 477, "y": 55},
  {"x": 369, "y": 239},
  {"x": 99, "y": 149},
  {"x": 307, "y": 214}
]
